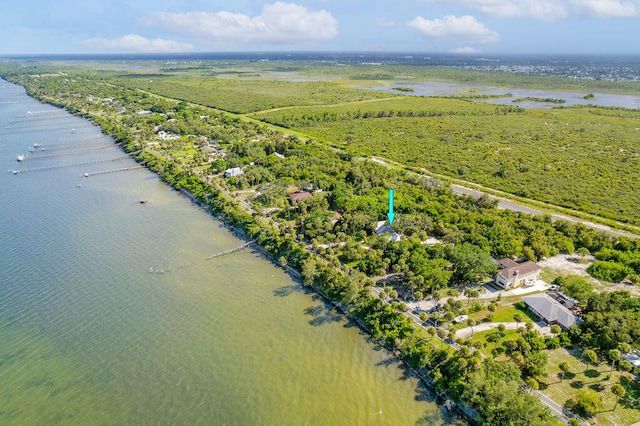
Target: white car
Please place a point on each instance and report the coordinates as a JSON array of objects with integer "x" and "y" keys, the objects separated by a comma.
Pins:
[{"x": 460, "y": 319}]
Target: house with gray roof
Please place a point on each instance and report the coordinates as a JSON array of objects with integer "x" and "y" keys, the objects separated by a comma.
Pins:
[
  {"x": 383, "y": 228},
  {"x": 550, "y": 311}
]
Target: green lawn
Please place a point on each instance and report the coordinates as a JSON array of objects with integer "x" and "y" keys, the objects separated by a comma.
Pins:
[
  {"x": 482, "y": 337},
  {"x": 596, "y": 377},
  {"x": 505, "y": 314}
]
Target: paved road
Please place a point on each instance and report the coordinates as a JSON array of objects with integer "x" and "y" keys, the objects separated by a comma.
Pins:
[{"x": 508, "y": 204}]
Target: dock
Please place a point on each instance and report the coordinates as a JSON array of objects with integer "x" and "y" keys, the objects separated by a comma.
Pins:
[
  {"x": 123, "y": 169},
  {"x": 234, "y": 250},
  {"x": 86, "y": 163}
]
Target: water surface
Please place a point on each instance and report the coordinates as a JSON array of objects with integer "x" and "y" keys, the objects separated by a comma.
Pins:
[{"x": 111, "y": 314}]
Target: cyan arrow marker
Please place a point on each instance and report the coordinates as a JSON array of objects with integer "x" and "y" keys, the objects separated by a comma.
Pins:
[{"x": 390, "y": 215}]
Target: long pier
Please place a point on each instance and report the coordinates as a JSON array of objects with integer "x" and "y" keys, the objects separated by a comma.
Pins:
[
  {"x": 123, "y": 169},
  {"x": 77, "y": 151},
  {"x": 59, "y": 166},
  {"x": 234, "y": 250}
]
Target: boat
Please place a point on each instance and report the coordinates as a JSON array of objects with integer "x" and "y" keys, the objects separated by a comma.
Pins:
[{"x": 20, "y": 157}]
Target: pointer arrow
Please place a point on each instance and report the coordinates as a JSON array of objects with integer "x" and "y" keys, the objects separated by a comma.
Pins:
[{"x": 390, "y": 215}]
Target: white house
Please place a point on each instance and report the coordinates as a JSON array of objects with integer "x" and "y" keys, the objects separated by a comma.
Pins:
[
  {"x": 233, "y": 172},
  {"x": 514, "y": 274}
]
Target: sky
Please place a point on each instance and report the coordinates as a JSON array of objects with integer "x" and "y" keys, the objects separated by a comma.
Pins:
[{"x": 438, "y": 26}]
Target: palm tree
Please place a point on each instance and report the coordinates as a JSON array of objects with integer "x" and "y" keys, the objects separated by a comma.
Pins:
[
  {"x": 442, "y": 334},
  {"x": 517, "y": 317},
  {"x": 624, "y": 347},
  {"x": 564, "y": 367},
  {"x": 418, "y": 295},
  {"x": 625, "y": 367},
  {"x": 590, "y": 357},
  {"x": 471, "y": 322},
  {"x": 614, "y": 356},
  {"x": 619, "y": 391},
  {"x": 471, "y": 293}
]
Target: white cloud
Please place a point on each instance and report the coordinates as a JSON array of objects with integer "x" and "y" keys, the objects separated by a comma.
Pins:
[
  {"x": 546, "y": 10},
  {"x": 466, "y": 51},
  {"x": 464, "y": 29},
  {"x": 607, "y": 8},
  {"x": 135, "y": 43},
  {"x": 384, "y": 23},
  {"x": 551, "y": 10},
  {"x": 279, "y": 23}
]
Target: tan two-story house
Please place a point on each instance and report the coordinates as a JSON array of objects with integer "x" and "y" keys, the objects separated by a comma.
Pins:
[{"x": 514, "y": 274}]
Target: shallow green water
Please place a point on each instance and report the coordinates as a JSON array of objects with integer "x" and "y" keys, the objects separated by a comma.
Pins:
[{"x": 111, "y": 314}]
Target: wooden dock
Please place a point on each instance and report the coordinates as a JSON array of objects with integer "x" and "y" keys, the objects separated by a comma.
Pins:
[
  {"x": 234, "y": 250},
  {"x": 123, "y": 169},
  {"x": 59, "y": 166}
]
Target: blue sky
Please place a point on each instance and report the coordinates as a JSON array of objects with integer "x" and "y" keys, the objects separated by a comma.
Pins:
[{"x": 474, "y": 26}]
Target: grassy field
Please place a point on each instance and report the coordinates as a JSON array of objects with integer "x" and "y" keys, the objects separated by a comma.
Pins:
[
  {"x": 598, "y": 377},
  {"x": 582, "y": 158},
  {"x": 243, "y": 95}
]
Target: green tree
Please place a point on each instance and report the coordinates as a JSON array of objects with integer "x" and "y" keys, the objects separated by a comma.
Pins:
[
  {"x": 609, "y": 271},
  {"x": 583, "y": 252},
  {"x": 556, "y": 329},
  {"x": 589, "y": 357},
  {"x": 619, "y": 391},
  {"x": 564, "y": 368},
  {"x": 518, "y": 317},
  {"x": 614, "y": 356},
  {"x": 533, "y": 384},
  {"x": 470, "y": 263},
  {"x": 624, "y": 347},
  {"x": 471, "y": 323},
  {"x": 625, "y": 367},
  {"x": 588, "y": 401},
  {"x": 535, "y": 363},
  {"x": 471, "y": 294}
]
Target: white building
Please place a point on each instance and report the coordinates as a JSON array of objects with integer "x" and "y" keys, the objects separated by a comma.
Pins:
[
  {"x": 514, "y": 274},
  {"x": 233, "y": 172}
]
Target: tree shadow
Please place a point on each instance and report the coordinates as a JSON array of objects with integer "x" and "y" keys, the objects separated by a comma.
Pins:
[
  {"x": 592, "y": 373},
  {"x": 577, "y": 384},
  {"x": 568, "y": 375},
  {"x": 286, "y": 290},
  {"x": 598, "y": 387},
  {"x": 388, "y": 362},
  {"x": 322, "y": 315}
]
